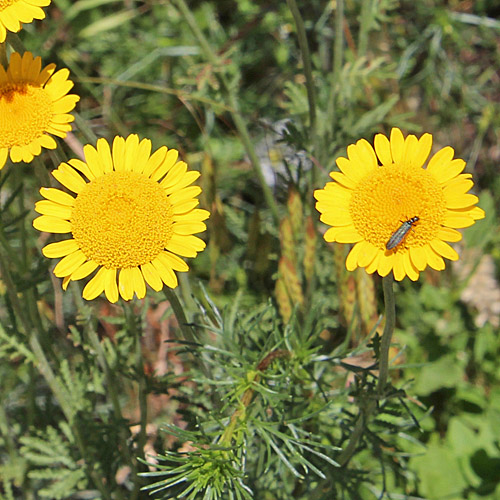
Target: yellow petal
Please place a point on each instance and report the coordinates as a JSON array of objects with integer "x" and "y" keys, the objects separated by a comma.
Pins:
[
  {"x": 47, "y": 207},
  {"x": 418, "y": 257},
  {"x": 184, "y": 194},
  {"x": 448, "y": 234},
  {"x": 110, "y": 285},
  {"x": 348, "y": 234},
  {"x": 126, "y": 284},
  {"x": 423, "y": 150},
  {"x": 367, "y": 254},
  {"x": 351, "y": 262},
  {"x": 343, "y": 180},
  {"x": 337, "y": 218},
  {"x": 138, "y": 283},
  {"x": 140, "y": 163},
  {"x": 95, "y": 286},
  {"x": 69, "y": 264},
  {"x": 105, "y": 161},
  {"x": 383, "y": 149},
  {"x": 410, "y": 150},
  {"x": 461, "y": 201},
  {"x": 155, "y": 160},
  {"x": 331, "y": 234},
  {"x": 69, "y": 178},
  {"x": 373, "y": 266},
  {"x": 410, "y": 270},
  {"x": 477, "y": 213},
  {"x": 52, "y": 224},
  {"x": 386, "y": 263},
  {"x": 118, "y": 153},
  {"x": 185, "y": 246},
  {"x": 457, "y": 220},
  {"x": 166, "y": 274},
  {"x": 443, "y": 249},
  {"x": 397, "y": 145},
  {"x": 433, "y": 259},
  {"x": 166, "y": 165},
  {"x": 173, "y": 261},
  {"x": 60, "y": 249},
  {"x": 84, "y": 270},
  {"x": 398, "y": 266},
  {"x": 82, "y": 167},
  {"x": 57, "y": 196},
  {"x": 152, "y": 277}
]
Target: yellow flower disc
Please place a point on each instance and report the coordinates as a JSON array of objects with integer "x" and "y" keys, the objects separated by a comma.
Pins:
[
  {"x": 131, "y": 221},
  {"x": 121, "y": 220},
  {"x": 34, "y": 104},
  {"x": 25, "y": 114},
  {"x": 392, "y": 195},
  {"x": 398, "y": 215}
]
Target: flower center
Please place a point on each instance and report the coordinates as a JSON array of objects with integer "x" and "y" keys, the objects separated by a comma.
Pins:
[
  {"x": 394, "y": 194},
  {"x": 25, "y": 113},
  {"x": 122, "y": 219}
]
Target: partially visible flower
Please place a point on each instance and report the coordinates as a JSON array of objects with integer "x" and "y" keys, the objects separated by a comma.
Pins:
[
  {"x": 130, "y": 221},
  {"x": 367, "y": 203},
  {"x": 15, "y": 12},
  {"x": 34, "y": 103}
]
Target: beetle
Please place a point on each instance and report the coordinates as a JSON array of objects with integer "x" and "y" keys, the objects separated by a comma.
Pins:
[{"x": 400, "y": 233}]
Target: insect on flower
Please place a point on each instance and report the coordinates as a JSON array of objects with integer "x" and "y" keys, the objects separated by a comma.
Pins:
[{"x": 400, "y": 233}]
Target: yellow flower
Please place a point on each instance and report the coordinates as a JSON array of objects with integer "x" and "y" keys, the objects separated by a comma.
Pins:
[
  {"x": 136, "y": 214},
  {"x": 34, "y": 102},
  {"x": 416, "y": 209},
  {"x": 15, "y": 12}
]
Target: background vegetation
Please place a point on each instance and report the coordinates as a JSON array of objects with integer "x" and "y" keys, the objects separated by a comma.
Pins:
[{"x": 263, "y": 403}]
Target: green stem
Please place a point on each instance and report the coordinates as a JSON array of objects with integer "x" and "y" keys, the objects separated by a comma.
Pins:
[
  {"x": 311, "y": 99},
  {"x": 364, "y": 27},
  {"x": 142, "y": 388},
  {"x": 390, "y": 323},
  {"x": 186, "y": 329},
  {"x": 3, "y": 56},
  {"x": 231, "y": 97},
  {"x": 15, "y": 42},
  {"x": 338, "y": 59},
  {"x": 306, "y": 59},
  {"x": 366, "y": 411}
]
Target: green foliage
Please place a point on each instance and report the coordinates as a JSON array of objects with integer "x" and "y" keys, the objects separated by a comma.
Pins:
[{"x": 51, "y": 451}]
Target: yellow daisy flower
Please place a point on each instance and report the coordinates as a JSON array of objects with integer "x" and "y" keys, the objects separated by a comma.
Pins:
[
  {"x": 134, "y": 215},
  {"x": 34, "y": 102},
  {"x": 399, "y": 215},
  {"x": 15, "y": 12}
]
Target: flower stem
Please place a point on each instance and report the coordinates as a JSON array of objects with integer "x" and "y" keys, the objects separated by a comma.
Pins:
[
  {"x": 142, "y": 388},
  {"x": 306, "y": 58},
  {"x": 338, "y": 59},
  {"x": 390, "y": 322},
  {"x": 364, "y": 27},
  {"x": 230, "y": 94},
  {"x": 186, "y": 329},
  {"x": 371, "y": 404}
]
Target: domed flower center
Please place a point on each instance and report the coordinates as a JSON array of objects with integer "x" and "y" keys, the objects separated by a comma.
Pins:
[
  {"x": 122, "y": 219},
  {"x": 25, "y": 113},
  {"x": 393, "y": 194}
]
